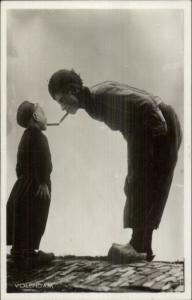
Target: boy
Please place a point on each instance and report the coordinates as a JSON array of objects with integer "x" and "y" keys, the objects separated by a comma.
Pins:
[{"x": 28, "y": 203}]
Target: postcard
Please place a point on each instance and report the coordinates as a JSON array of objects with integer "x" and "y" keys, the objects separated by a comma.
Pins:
[{"x": 95, "y": 149}]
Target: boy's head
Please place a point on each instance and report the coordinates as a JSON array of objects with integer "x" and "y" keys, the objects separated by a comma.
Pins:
[{"x": 31, "y": 114}]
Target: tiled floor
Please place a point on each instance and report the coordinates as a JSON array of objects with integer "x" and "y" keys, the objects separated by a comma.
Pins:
[{"x": 89, "y": 274}]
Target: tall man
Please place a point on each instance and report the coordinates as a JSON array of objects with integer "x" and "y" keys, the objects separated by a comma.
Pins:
[{"x": 153, "y": 134}]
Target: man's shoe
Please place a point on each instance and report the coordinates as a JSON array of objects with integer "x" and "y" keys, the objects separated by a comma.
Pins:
[
  {"x": 150, "y": 256},
  {"x": 124, "y": 254}
]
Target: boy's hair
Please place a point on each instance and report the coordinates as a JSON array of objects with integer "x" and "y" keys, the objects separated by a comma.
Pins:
[
  {"x": 63, "y": 81},
  {"x": 24, "y": 113}
]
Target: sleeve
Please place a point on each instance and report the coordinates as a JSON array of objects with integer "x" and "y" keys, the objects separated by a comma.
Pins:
[
  {"x": 21, "y": 157},
  {"x": 130, "y": 113},
  {"x": 42, "y": 159},
  {"x": 154, "y": 120}
]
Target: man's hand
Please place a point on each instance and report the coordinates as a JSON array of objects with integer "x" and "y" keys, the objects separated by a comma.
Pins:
[{"x": 43, "y": 191}]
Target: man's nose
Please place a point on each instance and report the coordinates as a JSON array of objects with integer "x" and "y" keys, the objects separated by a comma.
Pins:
[{"x": 63, "y": 106}]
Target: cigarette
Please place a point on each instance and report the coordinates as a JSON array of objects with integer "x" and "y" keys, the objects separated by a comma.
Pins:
[
  {"x": 63, "y": 118},
  {"x": 57, "y": 124},
  {"x": 52, "y": 124}
]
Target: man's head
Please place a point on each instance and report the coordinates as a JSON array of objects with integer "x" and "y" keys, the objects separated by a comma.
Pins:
[
  {"x": 64, "y": 86},
  {"x": 31, "y": 114}
]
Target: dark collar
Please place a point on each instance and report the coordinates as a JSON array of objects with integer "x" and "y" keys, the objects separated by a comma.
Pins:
[{"x": 84, "y": 97}]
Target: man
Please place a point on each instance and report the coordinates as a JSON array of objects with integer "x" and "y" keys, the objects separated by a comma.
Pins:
[{"x": 153, "y": 134}]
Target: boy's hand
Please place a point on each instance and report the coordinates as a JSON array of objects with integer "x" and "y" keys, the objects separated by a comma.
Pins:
[{"x": 43, "y": 191}]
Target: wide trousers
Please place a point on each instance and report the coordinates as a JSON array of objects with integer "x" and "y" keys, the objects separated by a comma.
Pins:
[
  {"x": 27, "y": 214},
  {"x": 148, "y": 190}
]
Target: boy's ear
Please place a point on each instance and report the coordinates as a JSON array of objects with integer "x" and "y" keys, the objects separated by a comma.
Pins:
[{"x": 35, "y": 116}]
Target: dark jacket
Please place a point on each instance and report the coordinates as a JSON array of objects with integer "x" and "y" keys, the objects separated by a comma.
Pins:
[
  {"x": 26, "y": 212},
  {"x": 153, "y": 136},
  {"x": 126, "y": 109}
]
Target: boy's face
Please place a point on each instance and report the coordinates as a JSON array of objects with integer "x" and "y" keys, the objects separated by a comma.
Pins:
[
  {"x": 40, "y": 117},
  {"x": 67, "y": 101}
]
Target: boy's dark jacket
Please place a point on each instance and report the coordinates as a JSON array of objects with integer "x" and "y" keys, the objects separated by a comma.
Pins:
[{"x": 26, "y": 212}]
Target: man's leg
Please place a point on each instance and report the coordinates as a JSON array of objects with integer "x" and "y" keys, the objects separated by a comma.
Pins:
[
  {"x": 141, "y": 241},
  {"x": 165, "y": 149}
]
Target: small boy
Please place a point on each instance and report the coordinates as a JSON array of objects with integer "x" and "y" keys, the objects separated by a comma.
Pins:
[{"x": 29, "y": 201}]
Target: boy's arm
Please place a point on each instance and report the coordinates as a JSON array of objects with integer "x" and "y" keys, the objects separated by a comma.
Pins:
[
  {"x": 42, "y": 165},
  {"x": 43, "y": 191}
]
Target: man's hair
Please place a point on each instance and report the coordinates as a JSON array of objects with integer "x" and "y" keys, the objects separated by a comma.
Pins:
[{"x": 63, "y": 81}]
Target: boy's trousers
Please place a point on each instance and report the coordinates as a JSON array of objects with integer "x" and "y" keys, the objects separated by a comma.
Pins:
[{"x": 26, "y": 214}]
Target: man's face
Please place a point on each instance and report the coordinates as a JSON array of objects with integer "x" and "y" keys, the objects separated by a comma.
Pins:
[{"x": 67, "y": 101}]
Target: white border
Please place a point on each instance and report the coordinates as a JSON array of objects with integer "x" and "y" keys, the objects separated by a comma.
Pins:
[
  {"x": 186, "y": 6},
  {"x": 3, "y": 146},
  {"x": 136, "y": 4}
]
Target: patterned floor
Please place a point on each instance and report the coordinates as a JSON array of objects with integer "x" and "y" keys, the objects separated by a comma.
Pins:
[{"x": 96, "y": 274}]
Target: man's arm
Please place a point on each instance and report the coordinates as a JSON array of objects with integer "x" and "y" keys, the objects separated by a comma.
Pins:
[
  {"x": 132, "y": 112},
  {"x": 154, "y": 120}
]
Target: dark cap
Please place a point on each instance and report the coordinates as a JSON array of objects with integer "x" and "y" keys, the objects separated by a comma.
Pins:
[{"x": 24, "y": 113}]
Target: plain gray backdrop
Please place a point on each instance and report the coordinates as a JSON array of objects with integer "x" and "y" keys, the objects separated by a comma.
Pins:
[{"x": 143, "y": 48}]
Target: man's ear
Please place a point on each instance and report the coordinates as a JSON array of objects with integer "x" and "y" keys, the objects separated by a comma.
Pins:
[{"x": 75, "y": 88}]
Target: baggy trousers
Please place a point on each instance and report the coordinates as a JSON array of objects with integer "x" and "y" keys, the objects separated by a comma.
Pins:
[
  {"x": 147, "y": 192},
  {"x": 27, "y": 214}
]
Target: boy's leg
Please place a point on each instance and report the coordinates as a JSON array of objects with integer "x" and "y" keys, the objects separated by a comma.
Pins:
[{"x": 30, "y": 258}]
